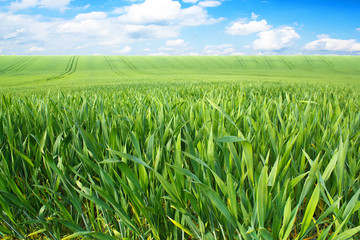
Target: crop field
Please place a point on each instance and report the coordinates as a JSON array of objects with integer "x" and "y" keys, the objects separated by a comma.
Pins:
[{"x": 236, "y": 147}]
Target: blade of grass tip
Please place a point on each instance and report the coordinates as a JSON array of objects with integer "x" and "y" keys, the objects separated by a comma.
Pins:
[
  {"x": 6, "y": 209},
  {"x": 136, "y": 144},
  {"x": 228, "y": 139},
  {"x": 348, "y": 234},
  {"x": 232, "y": 195},
  {"x": 75, "y": 235},
  {"x": 101, "y": 236},
  {"x": 340, "y": 166},
  {"x": 184, "y": 172},
  {"x": 218, "y": 203},
  {"x": 310, "y": 210},
  {"x": 36, "y": 232},
  {"x": 130, "y": 157},
  {"x": 181, "y": 227},
  {"x": 117, "y": 208},
  {"x": 310, "y": 180},
  {"x": 325, "y": 232},
  {"x": 328, "y": 211},
  {"x": 218, "y": 180},
  {"x": 344, "y": 222},
  {"x": 90, "y": 142},
  {"x": 248, "y": 159},
  {"x": 222, "y": 111},
  {"x": 330, "y": 167},
  {"x": 23, "y": 156},
  {"x": 351, "y": 204},
  {"x": 167, "y": 186}
]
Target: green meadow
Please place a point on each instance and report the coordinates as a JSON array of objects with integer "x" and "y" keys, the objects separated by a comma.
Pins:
[
  {"x": 85, "y": 71},
  {"x": 235, "y": 147}
]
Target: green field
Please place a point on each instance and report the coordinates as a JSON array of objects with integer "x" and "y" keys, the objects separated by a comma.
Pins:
[
  {"x": 247, "y": 147},
  {"x": 79, "y": 71}
]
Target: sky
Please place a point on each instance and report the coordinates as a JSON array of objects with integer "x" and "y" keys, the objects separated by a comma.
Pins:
[{"x": 180, "y": 27}]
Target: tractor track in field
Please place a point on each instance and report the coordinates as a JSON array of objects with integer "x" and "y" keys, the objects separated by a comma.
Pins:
[
  {"x": 69, "y": 70},
  {"x": 19, "y": 65},
  {"x": 240, "y": 61},
  {"x": 288, "y": 63},
  {"x": 268, "y": 62},
  {"x": 112, "y": 66},
  {"x": 131, "y": 66}
]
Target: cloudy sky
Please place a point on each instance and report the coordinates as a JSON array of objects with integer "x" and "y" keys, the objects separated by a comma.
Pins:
[{"x": 179, "y": 27}]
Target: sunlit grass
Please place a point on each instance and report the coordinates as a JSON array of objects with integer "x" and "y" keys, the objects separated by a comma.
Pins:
[{"x": 181, "y": 160}]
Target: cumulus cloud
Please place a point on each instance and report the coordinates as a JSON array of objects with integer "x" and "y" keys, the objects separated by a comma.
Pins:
[
  {"x": 209, "y": 3},
  {"x": 51, "y": 4},
  {"x": 244, "y": 27},
  {"x": 275, "y": 39},
  {"x": 35, "y": 49},
  {"x": 325, "y": 43},
  {"x": 164, "y": 12},
  {"x": 151, "y": 11},
  {"x": 223, "y": 49},
  {"x": 124, "y": 51},
  {"x": 91, "y": 32},
  {"x": 196, "y": 16},
  {"x": 190, "y": 1},
  {"x": 176, "y": 42}
]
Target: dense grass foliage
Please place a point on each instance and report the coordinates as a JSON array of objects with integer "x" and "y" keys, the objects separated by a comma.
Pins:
[{"x": 216, "y": 159}]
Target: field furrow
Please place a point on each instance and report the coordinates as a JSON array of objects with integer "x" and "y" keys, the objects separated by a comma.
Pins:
[
  {"x": 70, "y": 69},
  {"x": 20, "y": 65}
]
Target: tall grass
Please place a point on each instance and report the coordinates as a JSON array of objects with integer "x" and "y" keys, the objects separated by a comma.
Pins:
[{"x": 207, "y": 161}]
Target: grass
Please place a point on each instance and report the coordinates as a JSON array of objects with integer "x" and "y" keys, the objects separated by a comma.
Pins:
[
  {"x": 62, "y": 71},
  {"x": 180, "y": 147}
]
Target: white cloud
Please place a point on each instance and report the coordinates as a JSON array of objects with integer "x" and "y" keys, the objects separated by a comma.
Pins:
[
  {"x": 93, "y": 23},
  {"x": 243, "y": 27},
  {"x": 190, "y": 1},
  {"x": 150, "y": 31},
  {"x": 97, "y": 32},
  {"x": 14, "y": 34},
  {"x": 322, "y": 36},
  {"x": 209, "y": 3},
  {"x": 51, "y": 4},
  {"x": 54, "y": 4},
  {"x": 358, "y": 29},
  {"x": 124, "y": 51},
  {"x": 159, "y": 54},
  {"x": 35, "y": 49},
  {"x": 164, "y": 12},
  {"x": 151, "y": 11},
  {"x": 254, "y": 16},
  {"x": 326, "y": 43},
  {"x": 23, "y": 4},
  {"x": 223, "y": 49},
  {"x": 196, "y": 16},
  {"x": 237, "y": 53},
  {"x": 91, "y": 15},
  {"x": 176, "y": 42},
  {"x": 275, "y": 39}
]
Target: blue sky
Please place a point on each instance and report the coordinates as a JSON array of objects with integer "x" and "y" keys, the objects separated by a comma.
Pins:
[{"x": 180, "y": 27}]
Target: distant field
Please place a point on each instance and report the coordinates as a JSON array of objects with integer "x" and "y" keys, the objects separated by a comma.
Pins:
[
  {"x": 180, "y": 148},
  {"x": 65, "y": 71}
]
